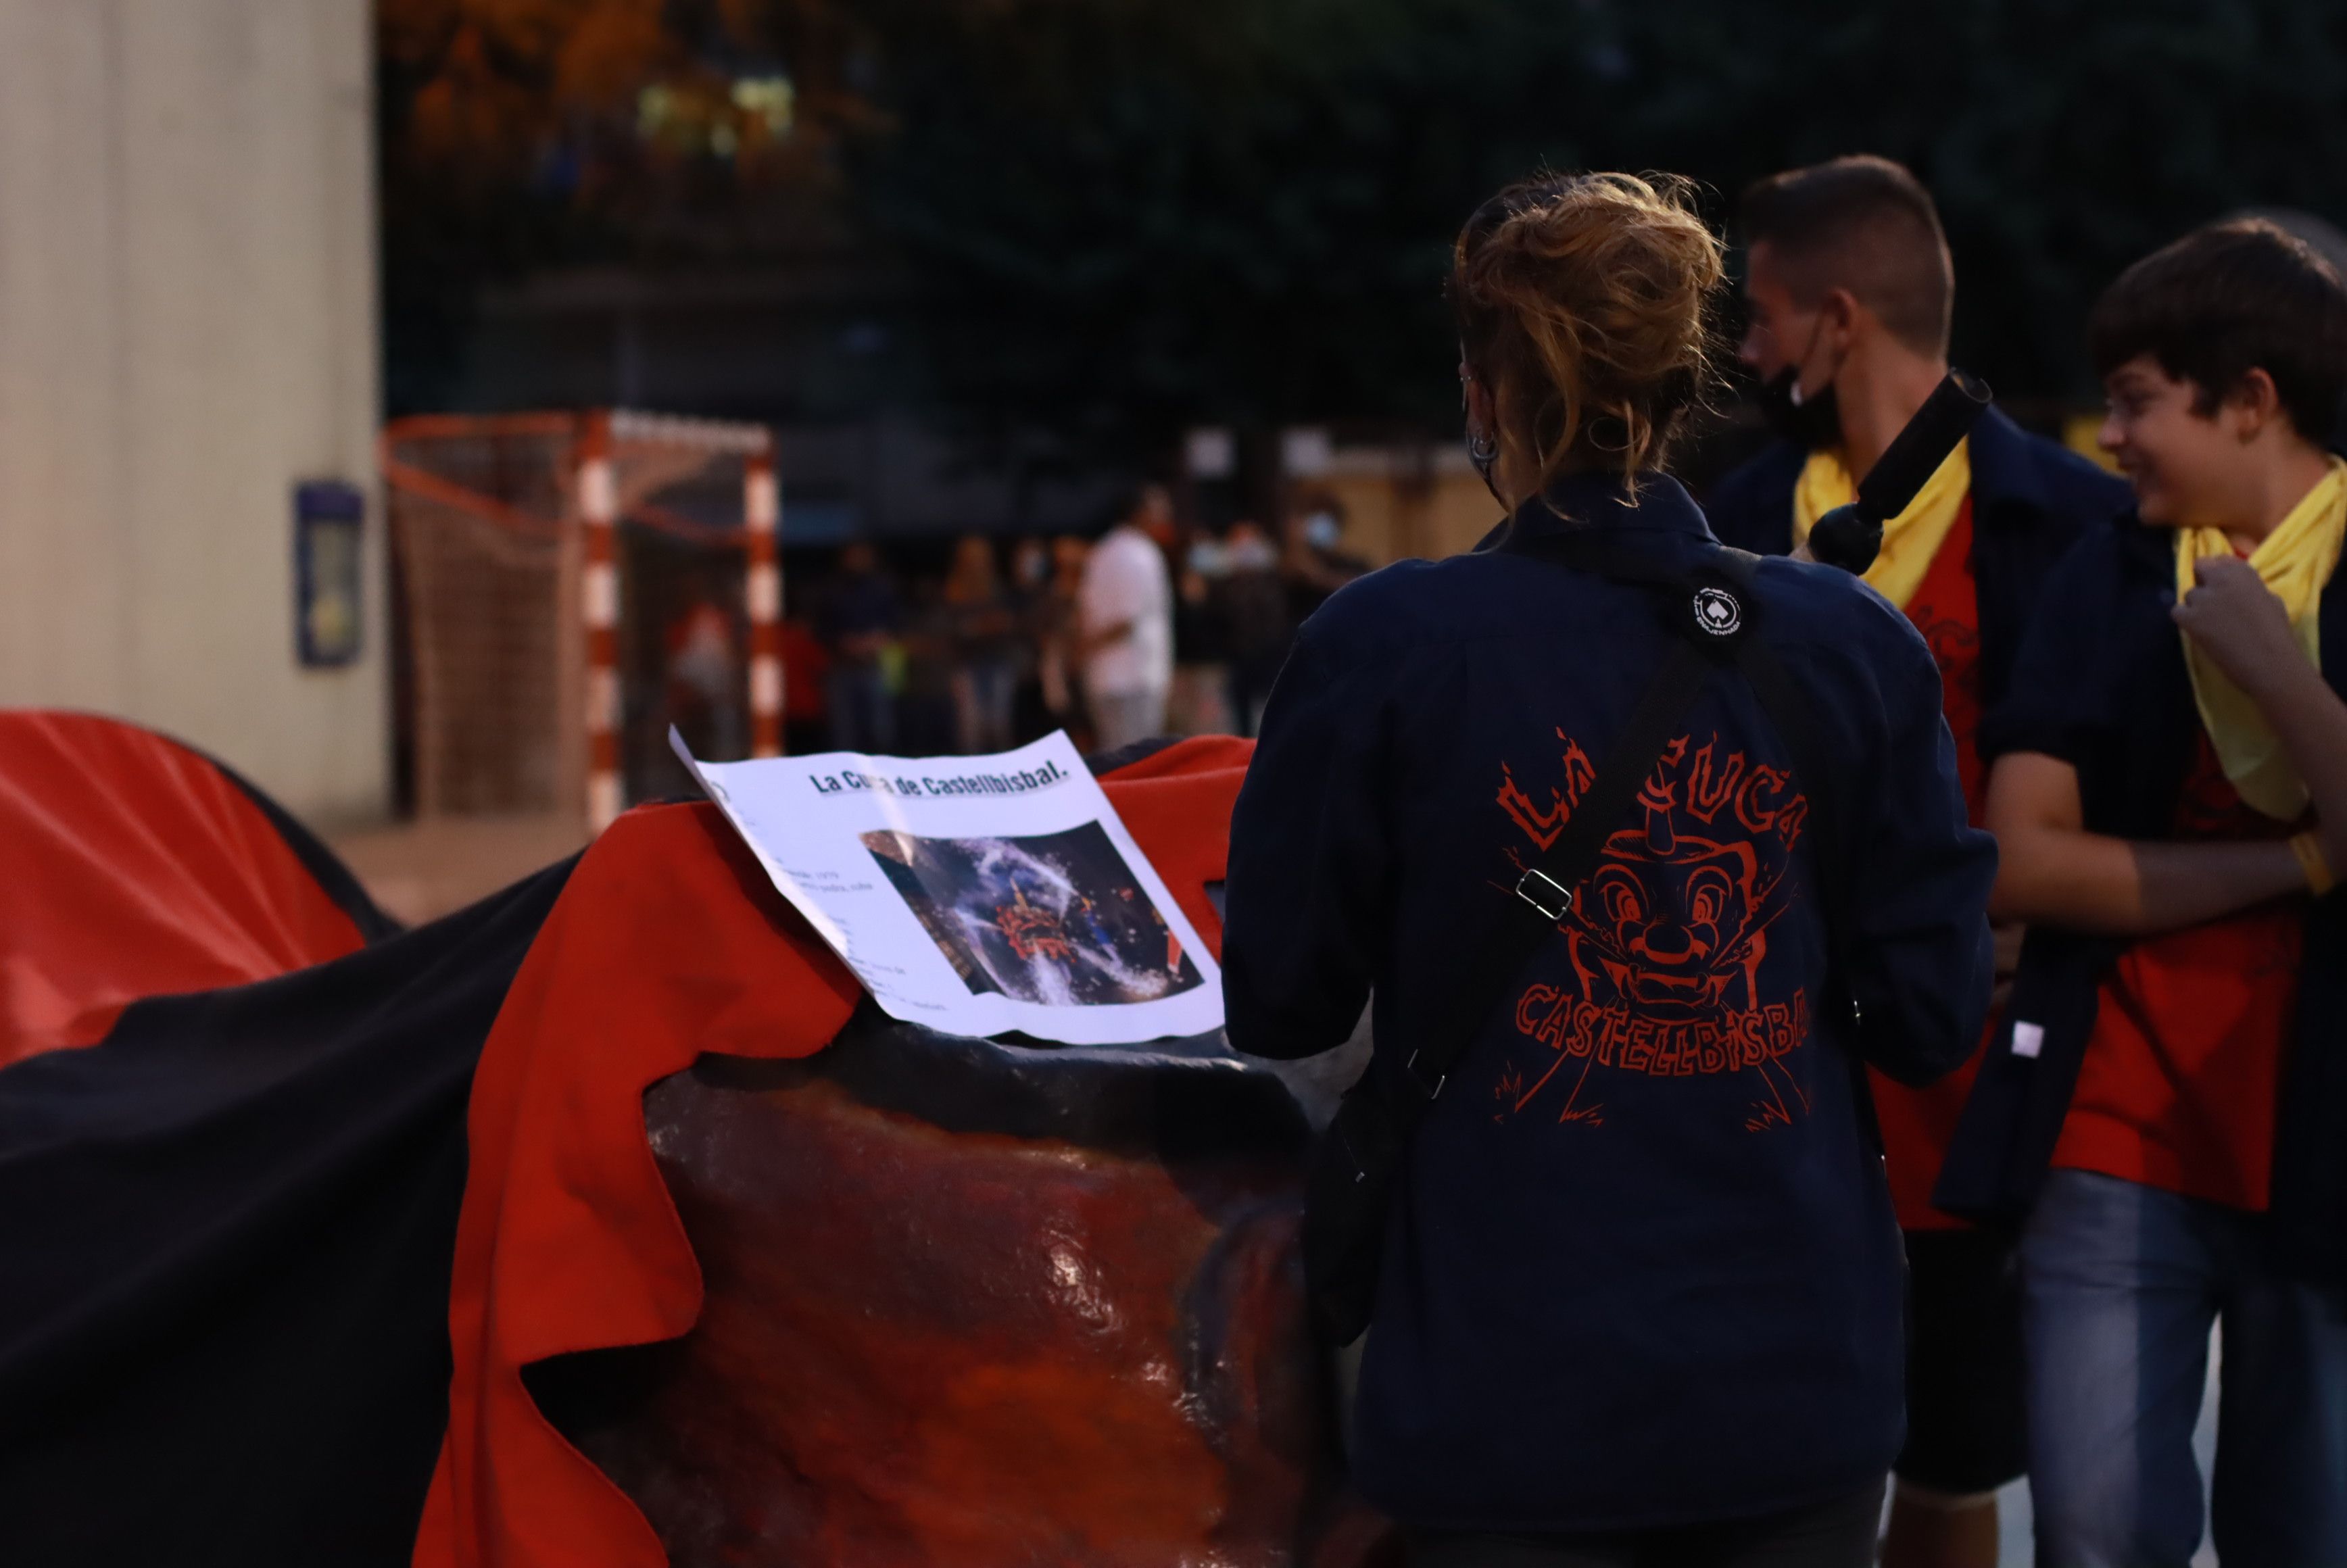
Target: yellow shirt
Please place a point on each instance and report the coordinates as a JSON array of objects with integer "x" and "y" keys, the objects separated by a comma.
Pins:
[{"x": 1911, "y": 538}]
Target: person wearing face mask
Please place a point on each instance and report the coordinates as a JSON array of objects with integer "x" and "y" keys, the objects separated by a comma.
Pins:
[
  {"x": 1314, "y": 562},
  {"x": 1124, "y": 623},
  {"x": 1850, "y": 286},
  {"x": 1256, "y": 625},
  {"x": 1636, "y": 1296}
]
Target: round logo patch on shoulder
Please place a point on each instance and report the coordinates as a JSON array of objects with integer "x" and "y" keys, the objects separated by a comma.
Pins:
[{"x": 1716, "y": 611}]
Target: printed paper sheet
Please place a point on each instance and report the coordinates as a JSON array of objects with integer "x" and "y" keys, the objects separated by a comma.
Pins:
[{"x": 977, "y": 894}]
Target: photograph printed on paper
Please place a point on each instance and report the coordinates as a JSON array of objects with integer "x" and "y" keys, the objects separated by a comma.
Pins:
[{"x": 1058, "y": 918}]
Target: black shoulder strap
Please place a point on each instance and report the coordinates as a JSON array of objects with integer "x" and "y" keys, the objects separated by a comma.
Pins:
[
  {"x": 1544, "y": 892},
  {"x": 1713, "y": 609},
  {"x": 1787, "y": 706},
  {"x": 1795, "y": 720},
  {"x": 1735, "y": 638}
]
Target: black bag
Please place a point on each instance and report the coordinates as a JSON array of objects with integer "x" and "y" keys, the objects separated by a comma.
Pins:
[{"x": 1349, "y": 1195}]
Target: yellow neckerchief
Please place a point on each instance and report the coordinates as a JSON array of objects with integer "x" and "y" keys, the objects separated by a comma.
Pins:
[
  {"x": 2296, "y": 561},
  {"x": 1911, "y": 538}
]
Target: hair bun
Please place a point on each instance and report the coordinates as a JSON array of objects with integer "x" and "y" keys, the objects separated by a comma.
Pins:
[{"x": 1584, "y": 305}]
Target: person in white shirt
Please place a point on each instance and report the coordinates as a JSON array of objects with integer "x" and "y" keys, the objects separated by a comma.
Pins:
[{"x": 1124, "y": 626}]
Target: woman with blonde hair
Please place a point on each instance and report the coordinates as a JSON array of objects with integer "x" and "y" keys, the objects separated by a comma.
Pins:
[{"x": 1637, "y": 848}]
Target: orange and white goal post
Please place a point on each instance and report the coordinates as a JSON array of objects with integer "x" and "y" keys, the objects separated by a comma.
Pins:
[{"x": 511, "y": 532}]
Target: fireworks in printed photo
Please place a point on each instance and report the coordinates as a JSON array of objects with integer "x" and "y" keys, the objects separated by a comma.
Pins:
[{"x": 1058, "y": 918}]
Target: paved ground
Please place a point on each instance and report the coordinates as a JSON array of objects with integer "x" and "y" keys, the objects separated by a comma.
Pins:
[{"x": 420, "y": 870}]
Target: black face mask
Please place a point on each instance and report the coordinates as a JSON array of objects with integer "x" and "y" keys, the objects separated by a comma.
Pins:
[{"x": 1813, "y": 424}]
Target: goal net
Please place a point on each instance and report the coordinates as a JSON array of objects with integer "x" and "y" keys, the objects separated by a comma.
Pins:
[{"x": 568, "y": 586}]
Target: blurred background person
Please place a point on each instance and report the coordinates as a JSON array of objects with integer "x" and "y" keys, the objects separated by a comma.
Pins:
[
  {"x": 1255, "y": 621},
  {"x": 1202, "y": 676},
  {"x": 806, "y": 669},
  {"x": 1125, "y": 624},
  {"x": 861, "y": 617},
  {"x": 1313, "y": 557},
  {"x": 925, "y": 726},
  {"x": 1053, "y": 624},
  {"x": 1029, "y": 587},
  {"x": 704, "y": 667},
  {"x": 983, "y": 628}
]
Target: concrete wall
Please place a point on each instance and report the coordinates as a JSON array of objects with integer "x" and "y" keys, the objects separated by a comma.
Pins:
[
  {"x": 1402, "y": 501},
  {"x": 187, "y": 328}
]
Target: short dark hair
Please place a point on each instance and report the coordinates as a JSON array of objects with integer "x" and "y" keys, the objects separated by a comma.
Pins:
[
  {"x": 2237, "y": 296},
  {"x": 1125, "y": 494},
  {"x": 1861, "y": 223},
  {"x": 1123, "y": 500}
]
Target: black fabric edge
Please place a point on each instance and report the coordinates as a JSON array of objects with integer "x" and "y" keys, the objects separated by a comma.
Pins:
[
  {"x": 1126, "y": 755},
  {"x": 325, "y": 868}
]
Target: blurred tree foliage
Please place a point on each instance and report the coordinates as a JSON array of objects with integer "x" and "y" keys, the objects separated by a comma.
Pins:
[
  {"x": 1116, "y": 217},
  {"x": 519, "y": 136}
]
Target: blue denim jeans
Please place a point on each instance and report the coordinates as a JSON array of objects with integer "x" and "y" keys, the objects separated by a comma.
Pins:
[{"x": 2121, "y": 1284}]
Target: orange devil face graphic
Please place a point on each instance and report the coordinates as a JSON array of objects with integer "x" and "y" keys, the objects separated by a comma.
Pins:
[
  {"x": 1667, "y": 936},
  {"x": 1674, "y": 924}
]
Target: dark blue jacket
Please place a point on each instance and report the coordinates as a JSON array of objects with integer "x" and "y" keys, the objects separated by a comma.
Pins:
[
  {"x": 2031, "y": 499},
  {"x": 1642, "y": 1267},
  {"x": 2101, "y": 685}
]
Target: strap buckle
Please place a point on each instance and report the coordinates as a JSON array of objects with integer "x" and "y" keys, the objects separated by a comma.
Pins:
[
  {"x": 1409, "y": 1071},
  {"x": 1550, "y": 892}
]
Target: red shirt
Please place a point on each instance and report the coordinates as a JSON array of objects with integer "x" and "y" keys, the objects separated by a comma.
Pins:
[
  {"x": 1918, "y": 1123},
  {"x": 804, "y": 663},
  {"x": 2180, "y": 1077}
]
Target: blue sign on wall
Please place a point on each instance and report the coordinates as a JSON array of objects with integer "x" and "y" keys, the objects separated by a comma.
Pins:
[{"x": 329, "y": 518}]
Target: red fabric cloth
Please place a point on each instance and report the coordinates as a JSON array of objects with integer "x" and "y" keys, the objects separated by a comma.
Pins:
[
  {"x": 134, "y": 867},
  {"x": 2178, "y": 1086},
  {"x": 668, "y": 942},
  {"x": 1918, "y": 1123}
]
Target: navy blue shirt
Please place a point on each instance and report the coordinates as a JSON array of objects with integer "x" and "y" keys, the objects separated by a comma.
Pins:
[
  {"x": 1643, "y": 1268},
  {"x": 2031, "y": 500},
  {"x": 2101, "y": 685}
]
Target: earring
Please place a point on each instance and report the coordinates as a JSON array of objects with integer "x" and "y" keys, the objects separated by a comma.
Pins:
[{"x": 1481, "y": 449}]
